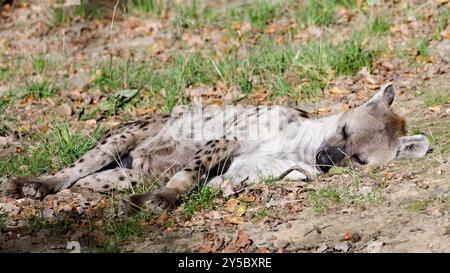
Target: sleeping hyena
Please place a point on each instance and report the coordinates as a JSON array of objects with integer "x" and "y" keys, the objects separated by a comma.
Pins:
[{"x": 234, "y": 144}]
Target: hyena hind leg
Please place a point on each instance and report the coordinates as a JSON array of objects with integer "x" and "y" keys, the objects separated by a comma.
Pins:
[
  {"x": 112, "y": 149},
  {"x": 213, "y": 153},
  {"x": 118, "y": 179}
]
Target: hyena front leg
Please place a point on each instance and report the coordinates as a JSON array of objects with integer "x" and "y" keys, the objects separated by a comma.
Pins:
[
  {"x": 113, "y": 148},
  {"x": 215, "y": 153},
  {"x": 114, "y": 179}
]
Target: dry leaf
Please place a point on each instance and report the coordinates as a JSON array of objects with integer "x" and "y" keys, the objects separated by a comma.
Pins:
[
  {"x": 247, "y": 198},
  {"x": 338, "y": 91},
  {"x": 388, "y": 175},
  {"x": 236, "y": 220},
  {"x": 235, "y": 26},
  {"x": 323, "y": 110},
  {"x": 231, "y": 205},
  {"x": 241, "y": 210},
  {"x": 242, "y": 240},
  {"x": 435, "y": 109},
  {"x": 163, "y": 218},
  {"x": 272, "y": 28}
]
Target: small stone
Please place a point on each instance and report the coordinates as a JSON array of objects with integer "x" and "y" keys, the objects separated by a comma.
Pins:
[
  {"x": 366, "y": 190},
  {"x": 48, "y": 213},
  {"x": 91, "y": 123},
  {"x": 63, "y": 110},
  {"x": 322, "y": 247},
  {"x": 280, "y": 244},
  {"x": 342, "y": 246},
  {"x": 76, "y": 235},
  {"x": 439, "y": 192},
  {"x": 374, "y": 247}
]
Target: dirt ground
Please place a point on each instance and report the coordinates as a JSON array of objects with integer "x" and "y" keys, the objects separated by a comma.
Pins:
[{"x": 401, "y": 207}]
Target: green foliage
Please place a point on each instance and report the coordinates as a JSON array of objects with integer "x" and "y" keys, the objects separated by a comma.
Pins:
[
  {"x": 262, "y": 12},
  {"x": 200, "y": 198},
  {"x": 436, "y": 99},
  {"x": 442, "y": 22},
  {"x": 321, "y": 13},
  {"x": 322, "y": 198},
  {"x": 86, "y": 10},
  {"x": 379, "y": 25},
  {"x": 423, "y": 47},
  {"x": 39, "y": 89},
  {"x": 59, "y": 148}
]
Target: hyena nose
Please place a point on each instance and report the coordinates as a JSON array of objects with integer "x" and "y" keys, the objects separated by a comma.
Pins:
[
  {"x": 323, "y": 161},
  {"x": 327, "y": 158}
]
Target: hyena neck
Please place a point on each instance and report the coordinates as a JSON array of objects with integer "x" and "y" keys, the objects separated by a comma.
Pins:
[{"x": 311, "y": 134}]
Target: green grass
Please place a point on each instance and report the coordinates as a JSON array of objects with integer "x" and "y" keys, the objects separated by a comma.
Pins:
[
  {"x": 39, "y": 89},
  {"x": 60, "y": 147},
  {"x": 420, "y": 205},
  {"x": 119, "y": 231},
  {"x": 323, "y": 198},
  {"x": 145, "y": 7},
  {"x": 319, "y": 64},
  {"x": 65, "y": 15},
  {"x": 321, "y": 13},
  {"x": 442, "y": 21},
  {"x": 39, "y": 64},
  {"x": 199, "y": 198},
  {"x": 262, "y": 12},
  {"x": 379, "y": 24},
  {"x": 423, "y": 47},
  {"x": 436, "y": 99},
  {"x": 259, "y": 214}
]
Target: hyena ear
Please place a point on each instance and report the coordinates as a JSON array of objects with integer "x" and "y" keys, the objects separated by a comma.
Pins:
[
  {"x": 412, "y": 146},
  {"x": 385, "y": 96}
]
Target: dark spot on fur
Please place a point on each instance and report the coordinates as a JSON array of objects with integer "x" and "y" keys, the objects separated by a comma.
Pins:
[
  {"x": 208, "y": 152},
  {"x": 80, "y": 170},
  {"x": 209, "y": 142},
  {"x": 81, "y": 160},
  {"x": 106, "y": 186},
  {"x": 188, "y": 169},
  {"x": 213, "y": 145},
  {"x": 121, "y": 178},
  {"x": 144, "y": 124},
  {"x": 303, "y": 113},
  {"x": 209, "y": 158},
  {"x": 208, "y": 118},
  {"x": 123, "y": 136},
  {"x": 133, "y": 183},
  {"x": 199, "y": 151},
  {"x": 103, "y": 142},
  {"x": 198, "y": 162}
]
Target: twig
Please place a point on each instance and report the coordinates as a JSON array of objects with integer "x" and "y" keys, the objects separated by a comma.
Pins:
[{"x": 317, "y": 229}]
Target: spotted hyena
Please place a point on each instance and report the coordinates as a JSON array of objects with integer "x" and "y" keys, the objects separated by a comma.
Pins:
[{"x": 235, "y": 144}]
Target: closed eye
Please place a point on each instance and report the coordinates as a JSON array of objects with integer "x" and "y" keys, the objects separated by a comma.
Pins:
[
  {"x": 344, "y": 132},
  {"x": 358, "y": 160}
]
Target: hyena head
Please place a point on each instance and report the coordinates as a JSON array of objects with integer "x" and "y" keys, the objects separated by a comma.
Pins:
[{"x": 371, "y": 134}]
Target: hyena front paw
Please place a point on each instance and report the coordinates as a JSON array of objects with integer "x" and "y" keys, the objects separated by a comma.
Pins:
[
  {"x": 26, "y": 187},
  {"x": 163, "y": 198}
]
